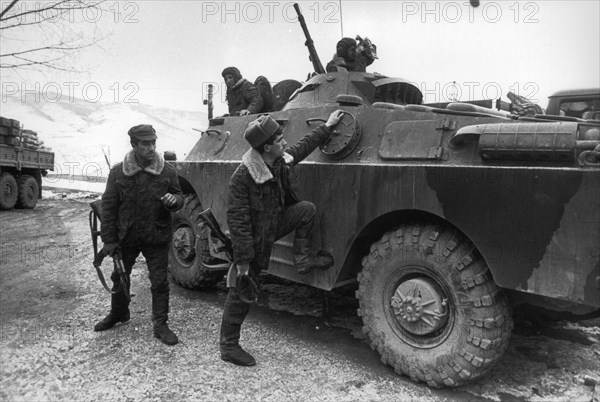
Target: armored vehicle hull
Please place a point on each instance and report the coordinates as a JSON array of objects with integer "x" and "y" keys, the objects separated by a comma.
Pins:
[{"x": 445, "y": 217}]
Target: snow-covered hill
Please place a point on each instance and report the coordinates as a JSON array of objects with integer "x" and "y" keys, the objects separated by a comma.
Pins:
[{"x": 78, "y": 131}]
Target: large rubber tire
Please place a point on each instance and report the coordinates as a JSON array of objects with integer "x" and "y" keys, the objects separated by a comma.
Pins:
[
  {"x": 187, "y": 247},
  {"x": 8, "y": 191},
  {"x": 28, "y": 192},
  {"x": 419, "y": 264}
]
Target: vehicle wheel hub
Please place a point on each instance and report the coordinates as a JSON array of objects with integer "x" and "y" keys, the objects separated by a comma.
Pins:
[
  {"x": 419, "y": 306},
  {"x": 183, "y": 244},
  {"x": 8, "y": 191}
]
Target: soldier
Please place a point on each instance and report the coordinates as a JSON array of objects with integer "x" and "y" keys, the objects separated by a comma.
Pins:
[
  {"x": 141, "y": 192},
  {"x": 263, "y": 207},
  {"x": 242, "y": 97},
  {"x": 351, "y": 56}
]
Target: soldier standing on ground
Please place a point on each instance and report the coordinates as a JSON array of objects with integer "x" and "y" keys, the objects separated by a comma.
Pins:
[
  {"x": 242, "y": 97},
  {"x": 263, "y": 207},
  {"x": 141, "y": 192}
]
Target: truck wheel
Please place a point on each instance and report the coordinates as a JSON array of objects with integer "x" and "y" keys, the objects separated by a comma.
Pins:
[
  {"x": 187, "y": 247},
  {"x": 28, "y": 192},
  {"x": 430, "y": 306},
  {"x": 8, "y": 191}
]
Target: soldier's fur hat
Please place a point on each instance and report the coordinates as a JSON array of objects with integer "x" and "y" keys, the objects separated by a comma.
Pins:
[
  {"x": 142, "y": 132},
  {"x": 234, "y": 72},
  {"x": 261, "y": 129}
]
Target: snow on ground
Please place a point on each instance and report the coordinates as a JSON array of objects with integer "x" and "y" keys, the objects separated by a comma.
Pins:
[{"x": 79, "y": 131}]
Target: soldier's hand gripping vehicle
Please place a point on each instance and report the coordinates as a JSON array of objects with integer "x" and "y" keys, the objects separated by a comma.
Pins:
[{"x": 446, "y": 216}]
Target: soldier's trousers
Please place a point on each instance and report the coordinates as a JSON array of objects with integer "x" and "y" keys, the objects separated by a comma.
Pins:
[
  {"x": 299, "y": 217},
  {"x": 157, "y": 259}
]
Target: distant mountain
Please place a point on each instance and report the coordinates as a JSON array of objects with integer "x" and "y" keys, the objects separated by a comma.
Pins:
[{"x": 78, "y": 131}]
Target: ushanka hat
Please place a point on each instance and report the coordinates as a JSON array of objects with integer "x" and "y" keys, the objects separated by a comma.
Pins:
[
  {"x": 235, "y": 73},
  {"x": 260, "y": 130}
]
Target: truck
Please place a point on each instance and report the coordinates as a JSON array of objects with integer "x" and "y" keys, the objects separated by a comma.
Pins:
[
  {"x": 23, "y": 162},
  {"x": 444, "y": 217},
  {"x": 578, "y": 103}
]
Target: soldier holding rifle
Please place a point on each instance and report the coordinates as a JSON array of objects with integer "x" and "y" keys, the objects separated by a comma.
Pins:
[{"x": 141, "y": 192}]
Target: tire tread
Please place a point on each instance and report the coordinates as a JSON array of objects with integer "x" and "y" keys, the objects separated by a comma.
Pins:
[
  {"x": 488, "y": 318},
  {"x": 199, "y": 277}
]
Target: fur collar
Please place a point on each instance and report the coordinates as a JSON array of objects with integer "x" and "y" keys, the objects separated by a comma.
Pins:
[
  {"x": 130, "y": 166},
  {"x": 239, "y": 84},
  {"x": 259, "y": 171}
]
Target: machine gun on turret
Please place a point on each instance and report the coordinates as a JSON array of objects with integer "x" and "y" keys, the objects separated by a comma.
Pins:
[{"x": 314, "y": 57}]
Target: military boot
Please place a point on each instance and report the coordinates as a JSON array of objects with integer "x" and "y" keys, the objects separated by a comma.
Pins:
[
  {"x": 231, "y": 351},
  {"x": 164, "y": 333},
  {"x": 160, "y": 313},
  {"x": 234, "y": 314},
  {"x": 305, "y": 261},
  {"x": 119, "y": 312}
]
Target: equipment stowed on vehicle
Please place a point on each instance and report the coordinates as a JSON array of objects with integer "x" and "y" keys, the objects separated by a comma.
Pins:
[
  {"x": 24, "y": 160},
  {"x": 95, "y": 217}
]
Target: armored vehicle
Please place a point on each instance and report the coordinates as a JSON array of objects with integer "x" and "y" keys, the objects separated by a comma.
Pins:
[{"x": 446, "y": 216}]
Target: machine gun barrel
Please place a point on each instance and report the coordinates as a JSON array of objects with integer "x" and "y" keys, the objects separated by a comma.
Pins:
[{"x": 314, "y": 57}]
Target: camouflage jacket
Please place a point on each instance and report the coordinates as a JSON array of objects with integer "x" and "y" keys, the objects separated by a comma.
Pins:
[
  {"x": 243, "y": 95},
  {"x": 257, "y": 196},
  {"x": 132, "y": 212}
]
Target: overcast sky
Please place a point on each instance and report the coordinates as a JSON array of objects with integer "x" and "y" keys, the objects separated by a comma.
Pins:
[{"x": 165, "y": 52}]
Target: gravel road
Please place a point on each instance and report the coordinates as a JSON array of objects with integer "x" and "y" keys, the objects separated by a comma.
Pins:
[{"x": 50, "y": 299}]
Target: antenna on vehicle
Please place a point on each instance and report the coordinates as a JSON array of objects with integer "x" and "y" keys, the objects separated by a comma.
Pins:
[
  {"x": 341, "y": 19},
  {"x": 106, "y": 157}
]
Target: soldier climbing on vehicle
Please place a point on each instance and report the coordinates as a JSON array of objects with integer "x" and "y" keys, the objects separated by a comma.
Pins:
[{"x": 262, "y": 208}]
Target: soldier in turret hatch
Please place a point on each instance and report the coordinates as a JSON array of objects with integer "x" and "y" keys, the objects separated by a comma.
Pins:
[
  {"x": 352, "y": 55},
  {"x": 242, "y": 97}
]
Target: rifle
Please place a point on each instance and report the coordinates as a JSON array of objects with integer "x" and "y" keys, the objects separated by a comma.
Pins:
[
  {"x": 124, "y": 284},
  {"x": 215, "y": 229},
  {"x": 314, "y": 57},
  {"x": 250, "y": 292}
]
